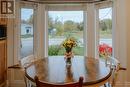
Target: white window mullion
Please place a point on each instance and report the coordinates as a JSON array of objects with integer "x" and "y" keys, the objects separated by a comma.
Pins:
[
  {"x": 41, "y": 31},
  {"x": 16, "y": 35},
  {"x": 35, "y": 31},
  {"x": 91, "y": 30},
  {"x": 85, "y": 32},
  {"x": 115, "y": 33},
  {"x": 37, "y": 54},
  {"x": 46, "y": 34},
  {"x": 97, "y": 32}
]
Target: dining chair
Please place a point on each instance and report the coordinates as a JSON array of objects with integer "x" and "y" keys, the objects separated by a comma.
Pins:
[
  {"x": 28, "y": 83},
  {"x": 45, "y": 84},
  {"x": 25, "y": 62},
  {"x": 115, "y": 66}
]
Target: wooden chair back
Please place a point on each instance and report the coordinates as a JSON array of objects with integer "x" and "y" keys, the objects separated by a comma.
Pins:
[
  {"x": 24, "y": 63},
  {"x": 44, "y": 84}
]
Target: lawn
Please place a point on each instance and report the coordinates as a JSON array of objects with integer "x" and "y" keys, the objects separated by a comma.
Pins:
[{"x": 57, "y": 50}]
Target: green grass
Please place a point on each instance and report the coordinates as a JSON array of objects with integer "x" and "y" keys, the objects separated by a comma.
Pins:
[
  {"x": 78, "y": 51},
  {"x": 55, "y": 50},
  {"x": 106, "y": 34}
]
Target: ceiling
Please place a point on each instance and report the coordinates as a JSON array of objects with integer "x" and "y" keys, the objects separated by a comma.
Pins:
[{"x": 64, "y": 1}]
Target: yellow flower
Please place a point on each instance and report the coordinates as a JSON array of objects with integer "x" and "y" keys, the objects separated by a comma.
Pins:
[{"x": 69, "y": 43}]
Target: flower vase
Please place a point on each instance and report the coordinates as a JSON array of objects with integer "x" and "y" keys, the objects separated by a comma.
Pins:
[
  {"x": 68, "y": 61},
  {"x": 68, "y": 56}
]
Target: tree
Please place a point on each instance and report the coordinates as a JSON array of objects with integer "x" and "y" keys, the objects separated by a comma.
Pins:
[
  {"x": 103, "y": 26},
  {"x": 69, "y": 26},
  {"x": 23, "y": 21},
  {"x": 106, "y": 24},
  {"x": 55, "y": 24},
  {"x": 59, "y": 27},
  {"x": 30, "y": 20},
  {"x": 50, "y": 22},
  {"x": 80, "y": 26}
]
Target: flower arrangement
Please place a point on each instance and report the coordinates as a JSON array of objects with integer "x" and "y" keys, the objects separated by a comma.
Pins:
[
  {"x": 69, "y": 43},
  {"x": 105, "y": 50}
]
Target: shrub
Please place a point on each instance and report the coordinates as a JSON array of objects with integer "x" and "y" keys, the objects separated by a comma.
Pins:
[{"x": 53, "y": 50}]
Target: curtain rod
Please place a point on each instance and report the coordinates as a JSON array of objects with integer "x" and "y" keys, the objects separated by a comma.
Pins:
[{"x": 64, "y": 1}]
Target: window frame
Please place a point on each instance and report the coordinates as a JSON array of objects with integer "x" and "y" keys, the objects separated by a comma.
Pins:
[
  {"x": 41, "y": 38},
  {"x": 77, "y": 7},
  {"x": 17, "y": 32},
  {"x": 101, "y": 6}
]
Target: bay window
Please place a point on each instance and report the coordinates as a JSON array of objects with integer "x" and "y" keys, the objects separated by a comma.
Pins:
[{"x": 97, "y": 29}]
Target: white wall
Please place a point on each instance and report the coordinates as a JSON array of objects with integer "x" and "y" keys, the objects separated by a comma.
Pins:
[
  {"x": 10, "y": 42},
  {"x": 123, "y": 24},
  {"x": 120, "y": 31},
  {"x": 128, "y": 38},
  {"x": 120, "y": 43},
  {"x": 123, "y": 42}
]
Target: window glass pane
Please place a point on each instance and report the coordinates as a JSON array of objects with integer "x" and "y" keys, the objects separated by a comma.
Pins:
[
  {"x": 26, "y": 32},
  {"x": 63, "y": 25},
  {"x": 105, "y": 23}
]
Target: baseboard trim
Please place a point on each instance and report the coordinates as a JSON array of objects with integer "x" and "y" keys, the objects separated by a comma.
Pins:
[
  {"x": 127, "y": 84},
  {"x": 17, "y": 83},
  {"x": 123, "y": 84}
]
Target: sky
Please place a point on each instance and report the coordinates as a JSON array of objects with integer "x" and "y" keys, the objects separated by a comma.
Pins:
[
  {"x": 105, "y": 13},
  {"x": 76, "y": 16},
  {"x": 26, "y": 13}
]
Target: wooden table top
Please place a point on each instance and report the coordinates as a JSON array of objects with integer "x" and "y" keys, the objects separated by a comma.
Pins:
[{"x": 54, "y": 70}]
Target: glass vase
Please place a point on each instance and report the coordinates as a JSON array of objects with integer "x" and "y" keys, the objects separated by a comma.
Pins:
[{"x": 68, "y": 61}]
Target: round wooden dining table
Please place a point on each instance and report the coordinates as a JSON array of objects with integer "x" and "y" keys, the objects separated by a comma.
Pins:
[{"x": 54, "y": 70}]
